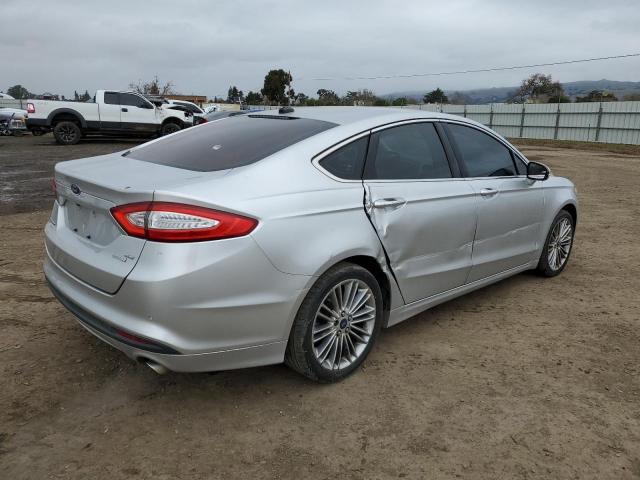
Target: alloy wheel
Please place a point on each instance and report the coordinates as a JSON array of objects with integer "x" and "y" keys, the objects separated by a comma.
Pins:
[
  {"x": 67, "y": 133},
  {"x": 560, "y": 244},
  {"x": 344, "y": 324}
]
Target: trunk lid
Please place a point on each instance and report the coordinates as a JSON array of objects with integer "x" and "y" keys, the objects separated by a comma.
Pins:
[{"x": 82, "y": 237}]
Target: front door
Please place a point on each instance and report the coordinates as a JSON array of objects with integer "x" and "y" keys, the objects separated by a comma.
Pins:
[
  {"x": 510, "y": 206},
  {"x": 138, "y": 114},
  {"x": 425, "y": 218}
]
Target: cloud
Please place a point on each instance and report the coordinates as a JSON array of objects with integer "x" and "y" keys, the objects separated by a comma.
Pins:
[{"x": 204, "y": 47}]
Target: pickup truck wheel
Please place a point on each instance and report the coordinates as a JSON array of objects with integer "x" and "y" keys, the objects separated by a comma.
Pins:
[
  {"x": 169, "y": 128},
  {"x": 67, "y": 133}
]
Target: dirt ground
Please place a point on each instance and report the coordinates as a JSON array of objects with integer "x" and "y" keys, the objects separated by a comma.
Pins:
[{"x": 530, "y": 378}]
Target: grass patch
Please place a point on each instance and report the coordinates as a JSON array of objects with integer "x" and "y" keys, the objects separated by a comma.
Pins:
[{"x": 597, "y": 147}]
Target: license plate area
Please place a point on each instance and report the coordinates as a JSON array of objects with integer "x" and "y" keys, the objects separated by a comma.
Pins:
[{"x": 89, "y": 219}]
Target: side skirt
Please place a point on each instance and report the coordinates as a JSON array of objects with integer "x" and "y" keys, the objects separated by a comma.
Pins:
[{"x": 400, "y": 314}]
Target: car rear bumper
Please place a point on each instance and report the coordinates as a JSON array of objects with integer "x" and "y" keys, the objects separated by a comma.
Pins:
[{"x": 184, "y": 324}]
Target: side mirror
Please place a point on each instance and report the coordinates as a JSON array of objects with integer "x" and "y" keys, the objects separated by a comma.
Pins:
[{"x": 537, "y": 171}]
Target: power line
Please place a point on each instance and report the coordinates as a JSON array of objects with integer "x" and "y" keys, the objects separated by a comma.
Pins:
[{"x": 480, "y": 70}]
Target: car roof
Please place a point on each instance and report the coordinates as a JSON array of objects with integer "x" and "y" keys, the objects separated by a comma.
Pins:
[{"x": 373, "y": 115}]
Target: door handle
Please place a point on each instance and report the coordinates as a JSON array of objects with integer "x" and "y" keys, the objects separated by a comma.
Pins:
[
  {"x": 391, "y": 203},
  {"x": 488, "y": 192},
  {"x": 124, "y": 109}
]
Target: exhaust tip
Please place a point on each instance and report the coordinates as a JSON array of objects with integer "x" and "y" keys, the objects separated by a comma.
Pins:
[{"x": 156, "y": 367}]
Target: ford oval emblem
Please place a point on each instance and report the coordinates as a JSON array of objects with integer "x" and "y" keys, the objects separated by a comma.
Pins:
[{"x": 75, "y": 189}]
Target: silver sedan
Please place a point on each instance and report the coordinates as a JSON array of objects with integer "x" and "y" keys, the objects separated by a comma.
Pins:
[{"x": 295, "y": 235}]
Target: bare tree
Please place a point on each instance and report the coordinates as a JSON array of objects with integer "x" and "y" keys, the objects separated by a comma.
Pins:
[{"x": 153, "y": 87}]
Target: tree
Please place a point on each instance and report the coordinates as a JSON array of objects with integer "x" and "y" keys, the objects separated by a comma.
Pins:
[
  {"x": 400, "y": 102},
  {"x": 327, "y": 97},
  {"x": 153, "y": 87},
  {"x": 234, "y": 95},
  {"x": 381, "y": 102},
  {"x": 459, "y": 98},
  {"x": 435, "y": 96},
  {"x": 253, "y": 98},
  {"x": 560, "y": 98},
  {"x": 85, "y": 97},
  {"x": 76, "y": 97},
  {"x": 301, "y": 99},
  {"x": 362, "y": 97},
  {"x": 597, "y": 96},
  {"x": 275, "y": 84},
  {"x": 18, "y": 91},
  {"x": 538, "y": 87},
  {"x": 632, "y": 97}
]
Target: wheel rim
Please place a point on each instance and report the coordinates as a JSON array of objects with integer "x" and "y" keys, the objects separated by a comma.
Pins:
[
  {"x": 560, "y": 244},
  {"x": 343, "y": 324},
  {"x": 67, "y": 133}
]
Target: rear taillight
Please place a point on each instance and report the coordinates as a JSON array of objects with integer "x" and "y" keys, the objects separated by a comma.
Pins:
[
  {"x": 177, "y": 222},
  {"x": 31, "y": 108},
  {"x": 201, "y": 120}
]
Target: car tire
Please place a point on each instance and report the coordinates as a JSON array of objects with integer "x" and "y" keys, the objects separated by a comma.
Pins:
[
  {"x": 557, "y": 247},
  {"x": 328, "y": 347},
  {"x": 67, "y": 133},
  {"x": 169, "y": 128}
]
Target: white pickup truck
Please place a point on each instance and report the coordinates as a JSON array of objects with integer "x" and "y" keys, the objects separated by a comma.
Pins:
[{"x": 111, "y": 113}]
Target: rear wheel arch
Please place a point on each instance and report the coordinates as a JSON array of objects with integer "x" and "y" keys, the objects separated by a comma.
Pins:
[
  {"x": 372, "y": 265},
  {"x": 66, "y": 115},
  {"x": 175, "y": 120}
]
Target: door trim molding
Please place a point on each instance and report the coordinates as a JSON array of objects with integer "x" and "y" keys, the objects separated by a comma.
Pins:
[{"x": 409, "y": 310}]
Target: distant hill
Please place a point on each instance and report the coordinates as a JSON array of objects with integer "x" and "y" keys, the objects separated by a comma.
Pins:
[{"x": 500, "y": 94}]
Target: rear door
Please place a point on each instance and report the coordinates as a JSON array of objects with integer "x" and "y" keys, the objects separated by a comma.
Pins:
[
  {"x": 137, "y": 113},
  {"x": 510, "y": 206},
  {"x": 110, "y": 111},
  {"x": 424, "y": 214}
]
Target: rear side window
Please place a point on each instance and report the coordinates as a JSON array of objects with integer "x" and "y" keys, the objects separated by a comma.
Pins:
[
  {"x": 347, "y": 162},
  {"x": 407, "y": 152},
  {"x": 482, "y": 155},
  {"x": 234, "y": 142},
  {"x": 112, "y": 98}
]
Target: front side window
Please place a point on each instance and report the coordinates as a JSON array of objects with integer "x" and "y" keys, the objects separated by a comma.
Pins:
[
  {"x": 192, "y": 108},
  {"x": 411, "y": 151},
  {"x": 347, "y": 162},
  {"x": 133, "y": 100},
  {"x": 481, "y": 154},
  {"x": 521, "y": 167}
]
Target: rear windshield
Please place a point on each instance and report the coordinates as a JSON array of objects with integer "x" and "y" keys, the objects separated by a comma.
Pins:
[{"x": 229, "y": 143}]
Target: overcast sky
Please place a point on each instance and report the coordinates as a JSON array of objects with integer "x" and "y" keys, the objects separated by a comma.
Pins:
[{"x": 205, "y": 46}]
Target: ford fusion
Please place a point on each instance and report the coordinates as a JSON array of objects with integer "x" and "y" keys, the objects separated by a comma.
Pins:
[{"x": 295, "y": 235}]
